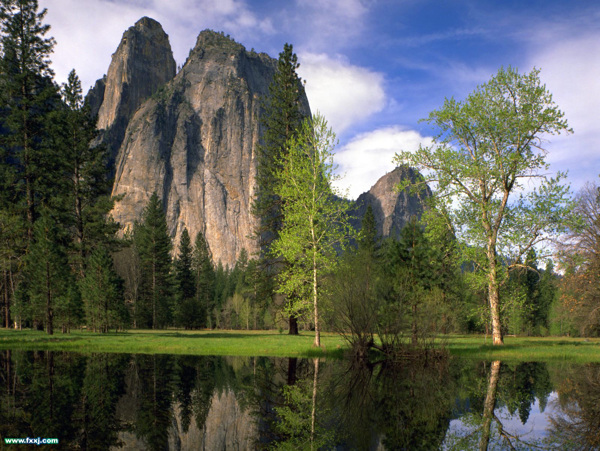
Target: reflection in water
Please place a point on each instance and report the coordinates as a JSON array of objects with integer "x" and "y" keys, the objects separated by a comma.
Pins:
[
  {"x": 489, "y": 405},
  {"x": 103, "y": 401}
]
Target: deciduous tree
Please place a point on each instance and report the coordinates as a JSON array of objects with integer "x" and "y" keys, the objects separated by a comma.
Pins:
[
  {"x": 490, "y": 170},
  {"x": 315, "y": 226}
]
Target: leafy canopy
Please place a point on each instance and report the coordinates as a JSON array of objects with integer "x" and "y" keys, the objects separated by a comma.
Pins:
[{"x": 489, "y": 166}]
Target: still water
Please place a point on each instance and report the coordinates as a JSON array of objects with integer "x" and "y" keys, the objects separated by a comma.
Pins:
[{"x": 121, "y": 401}]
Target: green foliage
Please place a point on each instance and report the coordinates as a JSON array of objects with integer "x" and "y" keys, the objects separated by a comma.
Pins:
[
  {"x": 315, "y": 224},
  {"x": 189, "y": 312},
  {"x": 102, "y": 293},
  {"x": 153, "y": 245},
  {"x": 27, "y": 95},
  {"x": 204, "y": 274},
  {"x": 47, "y": 291},
  {"x": 368, "y": 239},
  {"x": 83, "y": 188},
  {"x": 281, "y": 118},
  {"x": 485, "y": 151}
]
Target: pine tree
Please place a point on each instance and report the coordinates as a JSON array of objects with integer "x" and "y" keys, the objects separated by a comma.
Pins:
[
  {"x": 84, "y": 185},
  {"x": 368, "y": 232},
  {"x": 48, "y": 274},
  {"x": 27, "y": 96},
  {"x": 153, "y": 244},
  {"x": 102, "y": 293},
  {"x": 281, "y": 120},
  {"x": 204, "y": 273},
  {"x": 414, "y": 265},
  {"x": 188, "y": 312}
]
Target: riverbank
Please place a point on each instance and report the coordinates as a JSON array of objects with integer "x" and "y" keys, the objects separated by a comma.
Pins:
[{"x": 274, "y": 344}]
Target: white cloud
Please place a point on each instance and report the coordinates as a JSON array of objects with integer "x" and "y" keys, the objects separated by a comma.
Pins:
[
  {"x": 368, "y": 157},
  {"x": 570, "y": 67},
  {"x": 88, "y": 31},
  {"x": 345, "y": 94}
]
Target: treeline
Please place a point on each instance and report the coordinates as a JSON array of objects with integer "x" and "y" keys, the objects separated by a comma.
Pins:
[
  {"x": 186, "y": 291},
  {"x": 54, "y": 186}
]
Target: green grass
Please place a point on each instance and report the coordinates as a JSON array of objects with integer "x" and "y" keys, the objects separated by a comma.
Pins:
[
  {"x": 274, "y": 344},
  {"x": 221, "y": 342},
  {"x": 534, "y": 349}
]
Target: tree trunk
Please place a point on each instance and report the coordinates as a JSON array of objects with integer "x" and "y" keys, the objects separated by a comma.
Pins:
[
  {"x": 49, "y": 314},
  {"x": 317, "y": 342},
  {"x": 293, "y": 325},
  {"x": 153, "y": 295},
  {"x": 6, "y": 300},
  {"x": 489, "y": 405},
  {"x": 414, "y": 340},
  {"x": 494, "y": 298}
]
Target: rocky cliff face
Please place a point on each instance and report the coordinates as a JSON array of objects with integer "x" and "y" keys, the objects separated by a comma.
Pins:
[
  {"x": 192, "y": 138},
  {"x": 194, "y": 143},
  {"x": 392, "y": 210},
  {"x": 142, "y": 63}
]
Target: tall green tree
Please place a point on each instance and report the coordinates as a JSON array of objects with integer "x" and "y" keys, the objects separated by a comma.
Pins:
[
  {"x": 315, "y": 223},
  {"x": 280, "y": 121},
  {"x": 153, "y": 243},
  {"x": 204, "y": 273},
  {"x": 48, "y": 274},
  {"x": 83, "y": 183},
  {"x": 28, "y": 94},
  {"x": 413, "y": 266},
  {"x": 485, "y": 151},
  {"x": 102, "y": 293},
  {"x": 188, "y": 310}
]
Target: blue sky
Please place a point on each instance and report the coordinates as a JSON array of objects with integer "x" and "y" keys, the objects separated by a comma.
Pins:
[{"x": 375, "y": 67}]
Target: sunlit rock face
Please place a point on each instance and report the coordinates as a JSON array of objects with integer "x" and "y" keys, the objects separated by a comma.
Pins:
[
  {"x": 392, "y": 210},
  {"x": 192, "y": 138},
  {"x": 194, "y": 143},
  {"x": 142, "y": 63}
]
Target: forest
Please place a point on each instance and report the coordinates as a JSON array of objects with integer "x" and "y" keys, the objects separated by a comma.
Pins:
[{"x": 529, "y": 266}]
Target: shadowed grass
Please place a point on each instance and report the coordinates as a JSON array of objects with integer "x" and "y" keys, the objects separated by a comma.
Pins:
[{"x": 274, "y": 344}]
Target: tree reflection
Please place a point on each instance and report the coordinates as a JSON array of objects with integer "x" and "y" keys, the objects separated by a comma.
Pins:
[
  {"x": 576, "y": 425},
  {"x": 513, "y": 388}
]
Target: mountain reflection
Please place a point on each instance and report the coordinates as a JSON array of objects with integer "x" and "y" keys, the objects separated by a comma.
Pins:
[{"x": 119, "y": 401}]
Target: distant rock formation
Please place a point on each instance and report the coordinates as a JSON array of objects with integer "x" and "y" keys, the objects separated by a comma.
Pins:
[
  {"x": 392, "y": 210},
  {"x": 192, "y": 138},
  {"x": 142, "y": 63},
  {"x": 194, "y": 143}
]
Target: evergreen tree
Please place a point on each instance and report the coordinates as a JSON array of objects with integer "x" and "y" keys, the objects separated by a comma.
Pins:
[
  {"x": 205, "y": 280},
  {"x": 153, "y": 244},
  {"x": 27, "y": 96},
  {"x": 281, "y": 120},
  {"x": 102, "y": 293},
  {"x": 188, "y": 311},
  {"x": 84, "y": 184},
  {"x": 368, "y": 233},
  {"x": 413, "y": 265},
  {"x": 48, "y": 274}
]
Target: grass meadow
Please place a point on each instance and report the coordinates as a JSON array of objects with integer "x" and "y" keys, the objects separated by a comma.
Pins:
[{"x": 275, "y": 344}]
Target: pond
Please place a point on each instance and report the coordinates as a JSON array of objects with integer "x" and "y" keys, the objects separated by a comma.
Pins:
[{"x": 122, "y": 401}]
